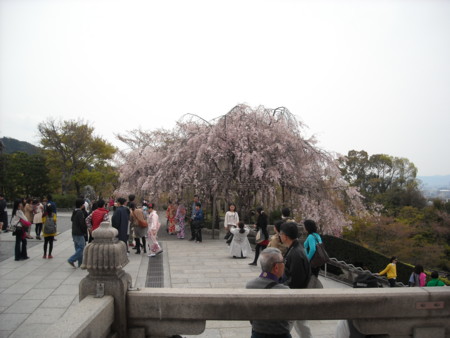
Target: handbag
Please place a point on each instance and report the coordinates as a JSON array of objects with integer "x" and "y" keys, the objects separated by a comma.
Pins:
[
  {"x": 142, "y": 223},
  {"x": 320, "y": 256},
  {"x": 259, "y": 237},
  {"x": 15, "y": 227}
]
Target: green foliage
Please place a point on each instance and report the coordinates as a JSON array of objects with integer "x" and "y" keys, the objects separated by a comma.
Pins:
[
  {"x": 75, "y": 155},
  {"x": 23, "y": 175},
  {"x": 416, "y": 236},
  {"x": 386, "y": 180},
  {"x": 64, "y": 201}
]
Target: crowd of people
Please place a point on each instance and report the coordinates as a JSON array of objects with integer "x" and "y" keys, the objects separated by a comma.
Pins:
[{"x": 285, "y": 261}]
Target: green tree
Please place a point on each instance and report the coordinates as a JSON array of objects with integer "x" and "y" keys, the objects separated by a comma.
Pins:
[
  {"x": 24, "y": 175},
  {"x": 72, "y": 149},
  {"x": 387, "y": 180}
]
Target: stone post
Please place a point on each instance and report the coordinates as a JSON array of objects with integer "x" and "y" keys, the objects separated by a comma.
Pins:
[{"x": 104, "y": 258}]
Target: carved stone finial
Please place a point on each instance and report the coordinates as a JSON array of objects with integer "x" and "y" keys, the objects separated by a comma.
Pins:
[{"x": 105, "y": 254}]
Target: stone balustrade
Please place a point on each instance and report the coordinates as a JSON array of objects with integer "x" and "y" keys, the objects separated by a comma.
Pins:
[
  {"x": 396, "y": 312},
  {"x": 393, "y": 312}
]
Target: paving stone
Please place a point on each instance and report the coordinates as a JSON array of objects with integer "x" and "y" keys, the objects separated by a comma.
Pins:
[
  {"x": 18, "y": 289},
  {"x": 59, "y": 301},
  {"x": 23, "y": 306},
  {"x": 37, "y": 294},
  {"x": 29, "y": 330},
  {"x": 11, "y": 321},
  {"x": 5, "y": 334},
  {"x": 45, "y": 315}
]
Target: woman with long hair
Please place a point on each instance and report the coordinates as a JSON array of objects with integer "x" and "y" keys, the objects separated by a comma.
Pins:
[
  {"x": 261, "y": 224},
  {"x": 311, "y": 242},
  {"x": 240, "y": 246},
  {"x": 21, "y": 223},
  {"x": 231, "y": 220}
]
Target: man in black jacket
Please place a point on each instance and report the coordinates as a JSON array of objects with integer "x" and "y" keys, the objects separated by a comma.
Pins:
[
  {"x": 79, "y": 230},
  {"x": 297, "y": 270}
]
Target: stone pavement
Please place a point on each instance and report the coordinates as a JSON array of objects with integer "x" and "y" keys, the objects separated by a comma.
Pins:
[{"x": 37, "y": 292}]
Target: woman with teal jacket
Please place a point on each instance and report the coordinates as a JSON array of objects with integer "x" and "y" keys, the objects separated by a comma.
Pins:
[{"x": 310, "y": 243}]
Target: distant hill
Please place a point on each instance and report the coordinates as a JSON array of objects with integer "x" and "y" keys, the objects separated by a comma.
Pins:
[
  {"x": 11, "y": 145},
  {"x": 435, "y": 182}
]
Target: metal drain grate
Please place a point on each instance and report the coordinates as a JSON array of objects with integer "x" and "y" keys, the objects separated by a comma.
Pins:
[{"x": 155, "y": 272}]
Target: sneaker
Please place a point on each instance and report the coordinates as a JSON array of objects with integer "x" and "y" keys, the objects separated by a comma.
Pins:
[
  {"x": 71, "y": 264},
  {"x": 45, "y": 256},
  {"x": 151, "y": 255},
  {"x": 253, "y": 263},
  {"x": 50, "y": 256},
  {"x": 160, "y": 251}
]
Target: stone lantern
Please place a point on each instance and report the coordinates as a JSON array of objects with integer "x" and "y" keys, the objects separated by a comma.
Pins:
[{"x": 104, "y": 258}]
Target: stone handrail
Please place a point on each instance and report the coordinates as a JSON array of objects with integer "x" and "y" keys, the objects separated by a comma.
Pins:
[
  {"x": 92, "y": 317},
  {"x": 399, "y": 312}
]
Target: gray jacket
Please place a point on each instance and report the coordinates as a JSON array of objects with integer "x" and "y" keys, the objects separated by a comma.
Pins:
[{"x": 269, "y": 326}]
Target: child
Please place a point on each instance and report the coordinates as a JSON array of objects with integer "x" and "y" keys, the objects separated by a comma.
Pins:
[
  {"x": 49, "y": 231},
  {"x": 240, "y": 246}
]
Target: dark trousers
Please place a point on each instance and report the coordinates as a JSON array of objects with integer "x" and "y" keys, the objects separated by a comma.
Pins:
[
  {"x": 139, "y": 245},
  {"x": 198, "y": 233},
  {"x": 48, "y": 242},
  {"x": 392, "y": 282},
  {"x": 192, "y": 231},
  {"x": 21, "y": 246},
  {"x": 38, "y": 229},
  {"x": 258, "y": 249}
]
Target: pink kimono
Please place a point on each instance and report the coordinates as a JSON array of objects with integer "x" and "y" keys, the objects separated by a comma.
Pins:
[{"x": 153, "y": 227}]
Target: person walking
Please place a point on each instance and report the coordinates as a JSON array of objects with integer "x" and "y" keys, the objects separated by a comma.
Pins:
[
  {"x": 49, "y": 232},
  {"x": 261, "y": 224},
  {"x": 390, "y": 271},
  {"x": 272, "y": 269},
  {"x": 297, "y": 269},
  {"x": 79, "y": 231},
  {"x": 140, "y": 227},
  {"x": 153, "y": 228},
  {"x": 21, "y": 223},
  {"x": 310, "y": 243},
  {"x": 240, "y": 246}
]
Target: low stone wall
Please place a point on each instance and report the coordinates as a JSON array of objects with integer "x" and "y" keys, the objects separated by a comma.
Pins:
[
  {"x": 92, "y": 317},
  {"x": 398, "y": 312}
]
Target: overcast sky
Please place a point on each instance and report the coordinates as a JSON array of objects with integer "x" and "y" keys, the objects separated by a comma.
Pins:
[{"x": 363, "y": 75}]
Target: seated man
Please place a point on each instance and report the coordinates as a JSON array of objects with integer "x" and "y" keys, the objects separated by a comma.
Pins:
[{"x": 272, "y": 266}]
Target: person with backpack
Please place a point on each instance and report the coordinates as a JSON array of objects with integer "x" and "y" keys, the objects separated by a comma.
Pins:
[{"x": 49, "y": 232}]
